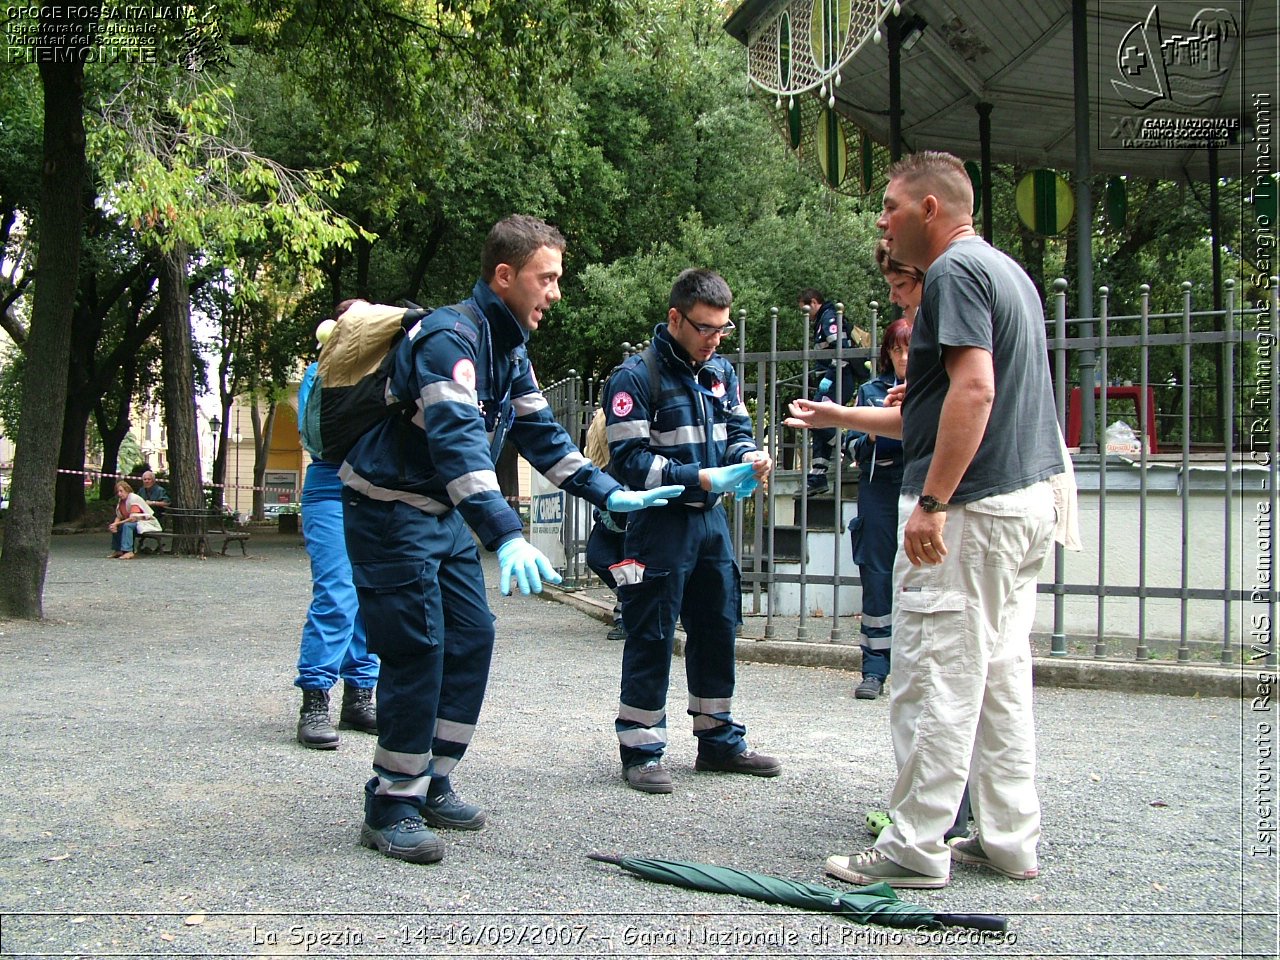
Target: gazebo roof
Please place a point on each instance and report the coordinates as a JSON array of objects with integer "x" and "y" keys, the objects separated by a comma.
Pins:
[{"x": 1199, "y": 67}]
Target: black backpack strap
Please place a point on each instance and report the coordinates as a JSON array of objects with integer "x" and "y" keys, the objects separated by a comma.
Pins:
[
  {"x": 649, "y": 357},
  {"x": 469, "y": 312}
]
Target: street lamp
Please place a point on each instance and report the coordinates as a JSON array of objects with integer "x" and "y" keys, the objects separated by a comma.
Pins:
[
  {"x": 238, "y": 437},
  {"x": 215, "y": 426}
]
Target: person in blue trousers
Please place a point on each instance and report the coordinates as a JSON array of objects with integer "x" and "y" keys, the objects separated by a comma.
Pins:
[{"x": 333, "y": 637}]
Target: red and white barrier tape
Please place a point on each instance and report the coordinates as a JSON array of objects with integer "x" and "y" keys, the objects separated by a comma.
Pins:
[{"x": 98, "y": 474}]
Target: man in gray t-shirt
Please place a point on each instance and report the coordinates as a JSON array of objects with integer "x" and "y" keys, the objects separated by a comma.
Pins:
[
  {"x": 975, "y": 521},
  {"x": 976, "y": 296}
]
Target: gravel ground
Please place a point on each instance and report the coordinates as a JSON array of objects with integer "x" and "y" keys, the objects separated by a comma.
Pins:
[{"x": 157, "y": 805}]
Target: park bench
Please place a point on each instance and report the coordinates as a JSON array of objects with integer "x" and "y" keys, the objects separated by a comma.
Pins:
[{"x": 204, "y": 526}]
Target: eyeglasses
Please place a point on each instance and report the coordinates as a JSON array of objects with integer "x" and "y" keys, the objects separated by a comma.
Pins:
[{"x": 708, "y": 330}]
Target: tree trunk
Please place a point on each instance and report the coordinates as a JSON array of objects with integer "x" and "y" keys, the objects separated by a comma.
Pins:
[
  {"x": 114, "y": 431},
  {"x": 262, "y": 431},
  {"x": 44, "y": 390},
  {"x": 508, "y": 470},
  {"x": 185, "y": 489},
  {"x": 68, "y": 504},
  {"x": 218, "y": 477}
]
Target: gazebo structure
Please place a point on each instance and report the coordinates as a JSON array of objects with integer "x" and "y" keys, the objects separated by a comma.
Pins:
[{"x": 1126, "y": 87}]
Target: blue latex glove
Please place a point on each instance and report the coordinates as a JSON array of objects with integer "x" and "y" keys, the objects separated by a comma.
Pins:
[
  {"x": 746, "y": 488},
  {"x": 728, "y": 479},
  {"x": 528, "y": 564},
  {"x": 625, "y": 501},
  {"x": 824, "y": 385}
]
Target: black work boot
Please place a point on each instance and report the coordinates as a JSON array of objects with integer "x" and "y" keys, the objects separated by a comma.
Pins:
[
  {"x": 358, "y": 712},
  {"x": 314, "y": 729}
]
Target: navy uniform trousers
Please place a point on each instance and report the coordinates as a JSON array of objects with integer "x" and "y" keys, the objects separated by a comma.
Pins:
[
  {"x": 422, "y": 597},
  {"x": 874, "y": 536},
  {"x": 824, "y": 438},
  {"x": 690, "y": 573}
]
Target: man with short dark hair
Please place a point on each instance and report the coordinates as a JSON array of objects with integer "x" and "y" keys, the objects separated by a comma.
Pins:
[
  {"x": 980, "y": 446},
  {"x": 678, "y": 559},
  {"x": 414, "y": 486}
]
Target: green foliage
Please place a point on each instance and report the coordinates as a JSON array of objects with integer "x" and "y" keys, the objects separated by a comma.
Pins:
[
  {"x": 171, "y": 172},
  {"x": 11, "y": 367},
  {"x": 130, "y": 454},
  {"x": 21, "y": 137}
]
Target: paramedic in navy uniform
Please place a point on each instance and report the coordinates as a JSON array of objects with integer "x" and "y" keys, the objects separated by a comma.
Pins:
[
  {"x": 678, "y": 559},
  {"x": 414, "y": 486}
]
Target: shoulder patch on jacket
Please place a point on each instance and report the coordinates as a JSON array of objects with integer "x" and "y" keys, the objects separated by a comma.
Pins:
[{"x": 464, "y": 372}]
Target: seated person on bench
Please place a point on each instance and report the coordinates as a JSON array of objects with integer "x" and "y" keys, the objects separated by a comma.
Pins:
[
  {"x": 132, "y": 516},
  {"x": 156, "y": 496}
]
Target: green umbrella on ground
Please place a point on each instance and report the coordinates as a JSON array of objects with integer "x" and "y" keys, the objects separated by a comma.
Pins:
[{"x": 873, "y": 904}]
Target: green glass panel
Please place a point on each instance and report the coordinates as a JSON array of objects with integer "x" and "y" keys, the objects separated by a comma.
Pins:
[
  {"x": 866, "y": 154},
  {"x": 833, "y": 154},
  {"x": 784, "y": 52},
  {"x": 818, "y": 32},
  {"x": 975, "y": 178}
]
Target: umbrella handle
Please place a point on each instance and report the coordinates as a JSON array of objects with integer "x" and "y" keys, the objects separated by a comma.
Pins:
[
  {"x": 974, "y": 921},
  {"x": 606, "y": 858}
]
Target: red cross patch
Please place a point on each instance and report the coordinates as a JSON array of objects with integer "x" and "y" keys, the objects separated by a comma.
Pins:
[
  {"x": 464, "y": 372},
  {"x": 622, "y": 403}
]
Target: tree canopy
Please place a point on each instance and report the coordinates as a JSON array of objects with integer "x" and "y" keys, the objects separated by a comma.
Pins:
[{"x": 279, "y": 157}]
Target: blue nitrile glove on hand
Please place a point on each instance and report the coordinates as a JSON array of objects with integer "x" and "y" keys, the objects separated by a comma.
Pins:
[
  {"x": 729, "y": 479},
  {"x": 625, "y": 501},
  {"x": 824, "y": 385},
  {"x": 528, "y": 564},
  {"x": 746, "y": 488}
]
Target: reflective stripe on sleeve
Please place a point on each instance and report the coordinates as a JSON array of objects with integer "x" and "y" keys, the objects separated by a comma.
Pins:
[
  {"x": 469, "y": 484},
  {"x": 566, "y": 467},
  {"x": 529, "y": 403},
  {"x": 628, "y": 430},
  {"x": 447, "y": 391},
  {"x": 654, "y": 477}
]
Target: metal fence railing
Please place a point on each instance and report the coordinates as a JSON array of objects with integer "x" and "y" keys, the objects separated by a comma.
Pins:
[{"x": 1177, "y": 531}]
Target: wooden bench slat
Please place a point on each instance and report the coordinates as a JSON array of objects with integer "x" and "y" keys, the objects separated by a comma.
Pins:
[{"x": 211, "y": 526}]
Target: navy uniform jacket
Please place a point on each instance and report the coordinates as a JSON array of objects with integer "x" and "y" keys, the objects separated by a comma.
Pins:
[
  {"x": 828, "y": 326},
  {"x": 881, "y": 459},
  {"x": 698, "y": 420},
  {"x": 472, "y": 387}
]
